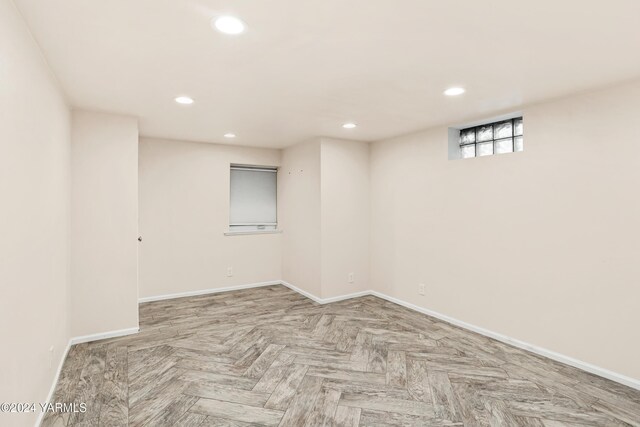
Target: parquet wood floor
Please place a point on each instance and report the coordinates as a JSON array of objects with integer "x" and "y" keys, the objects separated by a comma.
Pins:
[{"x": 269, "y": 356}]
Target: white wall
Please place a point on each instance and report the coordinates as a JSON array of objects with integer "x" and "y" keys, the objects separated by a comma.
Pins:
[
  {"x": 345, "y": 212},
  {"x": 104, "y": 223},
  {"x": 299, "y": 215},
  {"x": 184, "y": 213},
  {"x": 324, "y": 210},
  {"x": 34, "y": 219},
  {"x": 542, "y": 245}
]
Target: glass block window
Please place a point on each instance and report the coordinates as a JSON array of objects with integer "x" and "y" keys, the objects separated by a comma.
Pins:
[{"x": 505, "y": 136}]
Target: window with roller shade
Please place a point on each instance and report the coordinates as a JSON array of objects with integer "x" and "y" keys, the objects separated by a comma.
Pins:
[
  {"x": 253, "y": 198},
  {"x": 505, "y": 136}
]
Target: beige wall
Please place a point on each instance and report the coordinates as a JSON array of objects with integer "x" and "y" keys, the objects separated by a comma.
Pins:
[
  {"x": 542, "y": 246},
  {"x": 34, "y": 219},
  {"x": 184, "y": 213},
  {"x": 345, "y": 211},
  {"x": 104, "y": 223},
  {"x": 324, "y": 210},
  {"x": 299, "y": 215}
]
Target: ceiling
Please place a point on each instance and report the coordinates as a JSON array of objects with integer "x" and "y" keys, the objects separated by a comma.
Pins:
[{"x": 304, "y": 67}]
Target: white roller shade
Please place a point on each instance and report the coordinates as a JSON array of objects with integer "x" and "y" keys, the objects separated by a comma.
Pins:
[{"x": 253, "y": 196}]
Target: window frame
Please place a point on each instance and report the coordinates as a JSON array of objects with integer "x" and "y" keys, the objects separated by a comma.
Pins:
[
  {"x": 260, "y": 227},
  {"x": 493, "y": 139}
]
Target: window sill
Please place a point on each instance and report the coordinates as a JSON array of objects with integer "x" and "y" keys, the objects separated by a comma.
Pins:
[{"x": 248, "y": 232}]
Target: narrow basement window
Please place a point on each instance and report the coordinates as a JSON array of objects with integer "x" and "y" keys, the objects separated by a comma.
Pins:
[
  {"x": 505, "y": 136},
  {"x": 253, "y": 204}
]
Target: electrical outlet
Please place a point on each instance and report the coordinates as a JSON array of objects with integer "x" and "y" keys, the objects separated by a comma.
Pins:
[
  {"x": 51, "y": 353},
  {"x": 421, "y": 288},
  {"x": 350, "y": 278},
  {"x": 229, "y": 271}
]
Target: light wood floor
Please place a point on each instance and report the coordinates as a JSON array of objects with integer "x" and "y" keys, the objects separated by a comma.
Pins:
[{"x": 269, "y": 356}]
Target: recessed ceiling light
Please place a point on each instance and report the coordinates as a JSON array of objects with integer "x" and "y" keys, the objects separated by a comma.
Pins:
[
  {"x": 228, "y": 24},
  {"x": 184, "y": 100},
  {"x": 349, "y": 125},
  {"x": 454, "y": 91},
  {"x": 229, "y": 135}
]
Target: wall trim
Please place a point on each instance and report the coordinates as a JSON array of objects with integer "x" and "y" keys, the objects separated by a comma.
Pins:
[
  {"x": 103, "y": 335},
  {"x": 254, "y": 285},
  {"x": 209, "y": 291},
  {"x": 79, "y": 340},
  {"x": 596, "y": 370},
  {"x": 324, "y": 300},
  {"x": 52, "y": 389},
  {"x": 605, "y": 373}
]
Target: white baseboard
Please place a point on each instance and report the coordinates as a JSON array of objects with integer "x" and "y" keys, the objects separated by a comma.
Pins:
[
  {"x": 605, "y": 373},
  {"x": 55, "y": 382},
  {"x": 80, "y": 340},
  {"x": 103, "y": 335},
  {"x": 253, "y": 285},
  {"x": 324, "y": 300},
  {"x": 209, "y": 291},
  {"x": 613, "y": 376}
]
